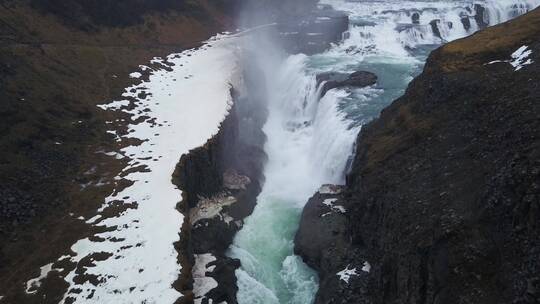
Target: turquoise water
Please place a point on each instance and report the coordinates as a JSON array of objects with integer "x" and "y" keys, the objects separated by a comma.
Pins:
[{"x": 268, "y": 235}]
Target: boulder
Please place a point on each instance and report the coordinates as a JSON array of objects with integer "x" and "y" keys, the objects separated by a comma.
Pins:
[
  {"x": 465, "y": 21},
  {"x": 332, "y": 80},
  {"x": 435, "y": 28},
  {"x": 415, "y": 18},
  {"x": 323, "y": 214},
  {"x": 479, "y": 16}
]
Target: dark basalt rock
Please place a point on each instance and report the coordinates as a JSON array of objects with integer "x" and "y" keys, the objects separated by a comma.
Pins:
[
  {"x": 415, "y": 18},
  {"x": 315, "y": 247},
  {"x": 466, "y": 22},
  {"x": 332, "y": 80},
  {"x": 216, "y": 200},
  {"x": 328, "y": 250},
  {"x": 443, "y": 197},
  {"x": 224, "y": 273},
  {"x": 435, "y": 28},
  {"x": 479, "y": 16}
]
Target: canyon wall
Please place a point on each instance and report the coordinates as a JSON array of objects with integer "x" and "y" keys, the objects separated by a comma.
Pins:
[
  {"x": 220, "y": 183},
  {"x": 442, "y": 201}
]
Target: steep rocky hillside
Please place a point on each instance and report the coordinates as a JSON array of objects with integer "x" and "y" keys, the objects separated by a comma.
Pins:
[{"x": 443, "y": 200}]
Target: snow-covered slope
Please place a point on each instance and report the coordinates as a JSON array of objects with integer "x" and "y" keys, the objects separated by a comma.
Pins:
[{"x": 135, "y": 261}]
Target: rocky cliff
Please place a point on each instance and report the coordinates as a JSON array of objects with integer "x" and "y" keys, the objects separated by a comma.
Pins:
[
  {"x": 442, "y": 204},
  {"x": 220, "y": 183}
]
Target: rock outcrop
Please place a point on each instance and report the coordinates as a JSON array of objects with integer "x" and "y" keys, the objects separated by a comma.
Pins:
[
  {"x": 443, "y": 198},
  {"x": 332, "y": 80},
  {"x": 220, "y": 183}
]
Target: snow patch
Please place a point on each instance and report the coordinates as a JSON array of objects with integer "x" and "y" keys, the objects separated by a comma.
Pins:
[
  {"x": 329, "y": 202},
  {"x": 346, "y": 274},
  {"x": 366, "y": 267},
  {"x": 336, "y": 208},
  {"x": 33, "y": 285},
  {"x": 135, "y": 75},
  {"x": 340, "y": 209},
  {"x": 228, "y": 219},
  {"x": 115, "y": 105},
  {"x": 201, "y": 283},
  {"x": 520, "y": 58}
]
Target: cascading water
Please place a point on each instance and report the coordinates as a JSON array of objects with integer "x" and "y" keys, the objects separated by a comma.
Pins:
[{"x": 309, "y": 140}]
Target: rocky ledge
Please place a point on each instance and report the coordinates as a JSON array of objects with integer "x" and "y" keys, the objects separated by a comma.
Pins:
[
  {"x": 442, "y": 203},
  {"x": 332, "y": 80},
  {"x": 220, "y": 183}
]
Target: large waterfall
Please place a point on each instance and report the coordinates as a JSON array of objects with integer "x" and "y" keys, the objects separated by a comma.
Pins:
[{"x": 310, "y": 140}]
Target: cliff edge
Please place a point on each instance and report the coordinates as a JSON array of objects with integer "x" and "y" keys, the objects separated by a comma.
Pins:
[{"x": 442, "y": 204}]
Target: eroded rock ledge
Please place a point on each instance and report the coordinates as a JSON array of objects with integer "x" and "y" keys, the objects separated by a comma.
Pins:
[
  {"x": 443, "y": 200},
  {"x": 332, "y": 80}
]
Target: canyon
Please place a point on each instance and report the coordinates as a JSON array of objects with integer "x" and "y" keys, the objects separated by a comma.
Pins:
[{"x": 269, "y": 152}]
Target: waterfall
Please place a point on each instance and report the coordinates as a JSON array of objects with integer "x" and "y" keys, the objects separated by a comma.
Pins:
[
  {"x": 310, "y": 139},
  {"x": 304, "y": 147}
]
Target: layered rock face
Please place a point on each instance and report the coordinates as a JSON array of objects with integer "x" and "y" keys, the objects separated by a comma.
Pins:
[
  {"x": 334, "y": 80},
  {"x": 442, "y": 202}
]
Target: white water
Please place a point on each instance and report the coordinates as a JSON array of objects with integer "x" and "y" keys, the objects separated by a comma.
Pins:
[
  {"x": 270, "y": 273},
  {"x": 310, "y": 141}
]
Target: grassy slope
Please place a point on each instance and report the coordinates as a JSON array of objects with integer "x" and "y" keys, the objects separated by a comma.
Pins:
[{"x": 52, "y": 75}]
